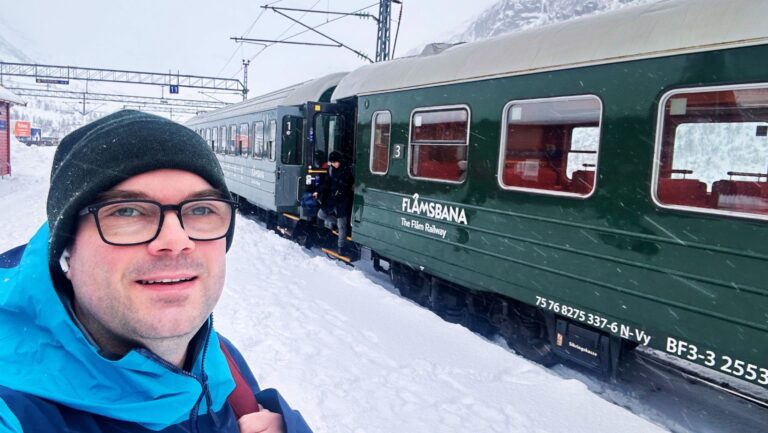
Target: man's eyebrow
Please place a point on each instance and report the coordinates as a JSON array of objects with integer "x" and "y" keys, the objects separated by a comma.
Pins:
[
  {"x": 118, "y": 194},
  {"x": 207, "y": 193}
]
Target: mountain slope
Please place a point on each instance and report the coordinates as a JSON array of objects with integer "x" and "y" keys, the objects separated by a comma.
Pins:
[{"x": 508, "y": 16}]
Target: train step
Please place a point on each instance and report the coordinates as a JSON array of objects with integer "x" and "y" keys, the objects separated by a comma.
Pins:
[
  {"x": 336, "y": 233},
  {"x": 336, "y": 256}
]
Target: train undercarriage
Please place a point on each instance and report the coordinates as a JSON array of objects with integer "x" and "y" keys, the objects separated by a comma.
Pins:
[{"x": 538, "y": 335}]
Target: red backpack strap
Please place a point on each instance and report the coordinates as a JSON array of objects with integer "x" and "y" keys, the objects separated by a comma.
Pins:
[{"x": 241, "y": 399}]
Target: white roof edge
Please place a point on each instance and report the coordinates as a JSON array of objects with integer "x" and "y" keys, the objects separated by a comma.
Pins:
[
  {"x": 8, "y": 96},
  {"x": 651, "y": 30},
  {"x": 314, "y": 89},
  {"x": 292, "y": 95}
]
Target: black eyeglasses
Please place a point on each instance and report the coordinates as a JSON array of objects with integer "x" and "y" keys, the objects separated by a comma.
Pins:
[{"x": 134, "y": 222}]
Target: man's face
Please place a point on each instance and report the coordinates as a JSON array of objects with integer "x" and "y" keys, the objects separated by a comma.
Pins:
[
  {"x": 336, "y": 164},
  {"x": 118, "y": 296}
]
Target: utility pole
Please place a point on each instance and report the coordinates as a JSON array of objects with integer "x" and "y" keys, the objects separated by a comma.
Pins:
[
  {"x": 245, "y": 78},
  {"x": 384, "y": 32}
]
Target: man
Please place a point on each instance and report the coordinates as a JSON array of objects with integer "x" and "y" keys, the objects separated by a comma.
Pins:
[
  {"x": 335, "y": 197},
  {"x": 105, "y": 315}
]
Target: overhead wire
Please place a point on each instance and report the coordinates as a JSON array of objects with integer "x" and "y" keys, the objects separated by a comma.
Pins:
[
  {"x": 330, "y": 21},
  {"x": 263, "y": 48},
  {"x": 247, "y": 32},
  {"x": 281, "y": 34}
]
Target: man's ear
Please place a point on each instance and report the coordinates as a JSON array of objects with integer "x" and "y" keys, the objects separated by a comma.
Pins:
[{"x": 64, "y": 261}]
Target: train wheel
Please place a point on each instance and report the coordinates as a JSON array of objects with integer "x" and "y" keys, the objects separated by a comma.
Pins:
[
  {"x": 303, "y": 234},
  {"x": 526, "y": 333},
  {"x": 410, "y": 283},
  {"x": 449, "y": 303}
]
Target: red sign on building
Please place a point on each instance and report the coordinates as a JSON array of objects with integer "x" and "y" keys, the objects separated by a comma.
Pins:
[{"x": 22, "y": 129}]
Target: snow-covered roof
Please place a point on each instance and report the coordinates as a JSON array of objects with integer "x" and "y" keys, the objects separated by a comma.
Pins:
[
  {"x": 651, "y": 30},
  {"x": 297, "y": 94},
  {"x": 8, "y": 96}
]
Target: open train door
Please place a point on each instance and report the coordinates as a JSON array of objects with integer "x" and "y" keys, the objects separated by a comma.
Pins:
[{"x": 329, "y": 127}]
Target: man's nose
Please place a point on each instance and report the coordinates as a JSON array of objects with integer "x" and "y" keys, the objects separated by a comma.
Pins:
[{"x": 172, "y": 239}]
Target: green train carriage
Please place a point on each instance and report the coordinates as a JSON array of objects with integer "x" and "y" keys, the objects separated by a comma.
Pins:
[{"x": 583, "y": 187}]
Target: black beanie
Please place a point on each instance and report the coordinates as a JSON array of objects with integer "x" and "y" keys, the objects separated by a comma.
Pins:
[
  {"x": 334, "y": 157},
  {"x": 100, "y": 155}
]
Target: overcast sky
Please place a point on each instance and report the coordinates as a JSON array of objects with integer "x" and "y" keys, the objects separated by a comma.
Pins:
[{"x": 192, "y": 36}]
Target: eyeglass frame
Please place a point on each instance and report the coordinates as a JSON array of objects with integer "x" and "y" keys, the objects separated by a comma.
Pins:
[{"x": 94, "y": 210}]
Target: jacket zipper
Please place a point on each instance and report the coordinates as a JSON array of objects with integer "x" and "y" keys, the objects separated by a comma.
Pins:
[{"x": 205, "y": 392}]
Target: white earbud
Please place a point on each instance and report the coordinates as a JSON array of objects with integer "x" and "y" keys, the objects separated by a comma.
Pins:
[{"x": 64, "y": 261}]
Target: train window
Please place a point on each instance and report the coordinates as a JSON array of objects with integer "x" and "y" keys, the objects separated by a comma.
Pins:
[
  {"x": 258, "y": 140},
  {"x": 438, "y": 145},
  {"x": 290, "y": 146},
  {"x": 712, "y": 151},
  {"x": 270, "y": 142},
  {"x": 550, "y": 145},
  {"x": 222, "y": 139},
  {"x": 382, "y": 125},
  {"x": 243, "y": 141},
  {"x": 215, "y": 139},
  {"x": 232, "y": 140}
]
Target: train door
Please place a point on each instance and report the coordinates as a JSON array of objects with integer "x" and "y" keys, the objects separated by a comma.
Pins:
[
  {"x": 330, "y": 127},
  {"x": 289, "y": 163}
]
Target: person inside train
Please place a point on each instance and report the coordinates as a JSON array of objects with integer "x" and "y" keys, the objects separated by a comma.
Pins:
[
  {"x": 335, "y": 198},
  {"x": 553, "y": 155},
  {"x": 105, "y": 314},
  {"x": 320, "y": 161}
]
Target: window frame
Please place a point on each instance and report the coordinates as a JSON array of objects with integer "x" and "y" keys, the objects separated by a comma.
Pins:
[
  {"x": 389, "y": 144},
  {"x": 232, "y": 133},
  {"x": 286, "y": 139},
  {"x": 222, "y": 149},
  {"x": 411, "y": 143},
  {"x": 503, "y": 146},
  {"x": 272, "y": 155},
  {"x": 658, "y": 147},
  {"x": 239, "y": 143},
  {"x": 215, "y": 139},
  {"x": 255, "y": 128}
]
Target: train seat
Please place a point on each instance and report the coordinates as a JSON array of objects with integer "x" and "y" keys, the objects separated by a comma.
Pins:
[
  {"x": 449, "y": 170},
  {"x": 763, "y": 189},
  {"x": 683, "y": 192},
  {"x": 530, "y": 174},
  {"x": 739, "y": 195},
  {"x": 583, "y": 181}
]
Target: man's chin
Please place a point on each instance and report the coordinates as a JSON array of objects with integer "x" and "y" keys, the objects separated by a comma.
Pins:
[{"x": 170, "y": 328}]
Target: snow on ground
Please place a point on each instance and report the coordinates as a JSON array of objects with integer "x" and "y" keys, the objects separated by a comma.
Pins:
[{"x": 348, "y": 352}]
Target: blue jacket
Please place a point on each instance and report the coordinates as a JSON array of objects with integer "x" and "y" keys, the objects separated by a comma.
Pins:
[{"x": 53, "y": 379}]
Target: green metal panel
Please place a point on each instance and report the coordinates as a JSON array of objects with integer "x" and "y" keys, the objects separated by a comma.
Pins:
[{"x": 615, "y": 260}]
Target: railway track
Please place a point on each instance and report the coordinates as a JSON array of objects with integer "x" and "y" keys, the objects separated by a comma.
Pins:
[{"x": 756, "y": 397}]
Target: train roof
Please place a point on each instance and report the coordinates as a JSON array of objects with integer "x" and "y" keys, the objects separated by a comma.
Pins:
[
  {"x": 651, "y": 30},
  {"x": 296, "y": 94}
]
